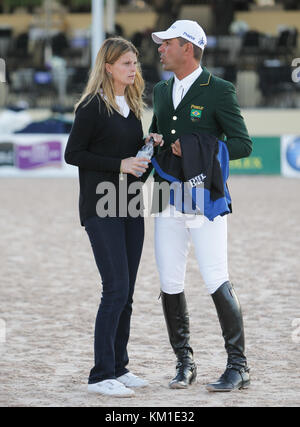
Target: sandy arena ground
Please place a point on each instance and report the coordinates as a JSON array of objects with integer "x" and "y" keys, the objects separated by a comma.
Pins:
[{"x": 50, "y": 290}]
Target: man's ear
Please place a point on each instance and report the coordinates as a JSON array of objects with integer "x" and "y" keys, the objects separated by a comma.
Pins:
[{"x": 189, "y": 48}]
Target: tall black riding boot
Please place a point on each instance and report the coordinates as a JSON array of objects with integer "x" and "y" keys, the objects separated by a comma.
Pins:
[
  {"x": 236, "y": 375},
  {"x": 177, "y": 321}
]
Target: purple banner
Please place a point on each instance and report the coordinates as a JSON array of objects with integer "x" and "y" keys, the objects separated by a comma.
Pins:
[{"x": 39, "y": 155}]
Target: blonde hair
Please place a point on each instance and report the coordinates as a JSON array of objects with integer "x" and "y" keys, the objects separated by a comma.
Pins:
[{"x": 101, "y": 83}]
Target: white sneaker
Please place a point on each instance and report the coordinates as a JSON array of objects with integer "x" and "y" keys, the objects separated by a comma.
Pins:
[
  {"x": 131, "y": 380},
  {"x": 110, "y": 388}
]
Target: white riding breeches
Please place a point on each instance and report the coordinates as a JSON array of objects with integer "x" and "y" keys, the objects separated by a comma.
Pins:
[{"x": 173, "y": 233}]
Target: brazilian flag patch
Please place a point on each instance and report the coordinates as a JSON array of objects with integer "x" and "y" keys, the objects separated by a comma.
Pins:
[{"x": 196, "y": 112}]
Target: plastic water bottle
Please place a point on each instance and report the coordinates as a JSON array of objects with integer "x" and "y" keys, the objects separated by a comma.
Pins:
[{"x": 146, "y": 151}]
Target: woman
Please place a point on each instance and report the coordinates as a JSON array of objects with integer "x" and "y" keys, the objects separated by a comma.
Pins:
[{"x": 105, "y": 137}]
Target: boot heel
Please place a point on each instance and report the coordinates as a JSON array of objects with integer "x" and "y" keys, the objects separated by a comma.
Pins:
[
  {"x": 194, "y": 377},
  {"x": 245, "y": 385}
]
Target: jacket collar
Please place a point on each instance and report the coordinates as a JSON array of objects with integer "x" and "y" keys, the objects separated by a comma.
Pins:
[
  {"x": 187, "y": 81},
  {"x": 197, "y": 87}
]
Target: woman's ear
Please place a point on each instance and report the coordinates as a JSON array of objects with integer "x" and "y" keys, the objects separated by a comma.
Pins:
[{"x": 108, "y": 68}]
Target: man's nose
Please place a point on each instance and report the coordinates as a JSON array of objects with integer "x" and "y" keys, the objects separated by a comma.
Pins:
[{"x": 160, "y": 49}]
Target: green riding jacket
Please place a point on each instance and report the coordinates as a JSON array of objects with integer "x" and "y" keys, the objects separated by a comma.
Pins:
[{"x": 210, "y": 106}]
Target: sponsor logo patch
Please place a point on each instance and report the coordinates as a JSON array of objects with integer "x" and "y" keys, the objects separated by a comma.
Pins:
[{"x": 196, "y": 112}]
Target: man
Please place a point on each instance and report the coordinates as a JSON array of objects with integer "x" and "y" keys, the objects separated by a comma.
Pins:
[{"x": 192, "y": 89}]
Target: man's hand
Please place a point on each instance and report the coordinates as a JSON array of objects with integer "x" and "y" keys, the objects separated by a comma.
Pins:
[{"x": 176, "y": 148}]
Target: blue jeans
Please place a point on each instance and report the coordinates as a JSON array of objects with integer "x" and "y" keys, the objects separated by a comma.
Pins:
[{"x": 117, "y": 245}]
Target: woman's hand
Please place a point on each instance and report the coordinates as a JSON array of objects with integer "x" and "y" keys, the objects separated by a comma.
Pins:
[
  {"x": 158, "y": 139},
  {"x": 134, "y": 165}
]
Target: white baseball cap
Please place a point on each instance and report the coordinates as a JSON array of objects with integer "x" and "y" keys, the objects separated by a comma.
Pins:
[{"x": 189, "y": 30}]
